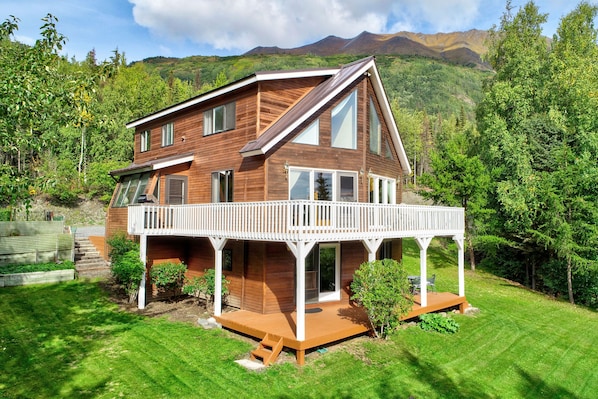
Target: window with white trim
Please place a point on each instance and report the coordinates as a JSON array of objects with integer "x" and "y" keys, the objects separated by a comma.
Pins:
[
  {"x": 344, "y": 123},
  {"x": 219, "y": 119},
  {"x": 310, "y": 135},
  {"x": 383, "y": 190},
  {"x": 375, "y": 130},
  {"x": 322, "y": 185},
  {"x": 144, "y": 142},
  {"x": 168, "y": 134}
]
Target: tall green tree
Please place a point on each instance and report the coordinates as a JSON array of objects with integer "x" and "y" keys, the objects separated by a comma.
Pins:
[{"x": 538, "y": 125}]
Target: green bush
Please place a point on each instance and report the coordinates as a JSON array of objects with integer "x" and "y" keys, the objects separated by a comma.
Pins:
[
  {"x": 128, "y": 271},
  {"x": 120, "y": 245},
  {"x": 439, "y": 323},
  {"x": 168, "y": 277},
  {"x": 205, "y": 286},
  {"x": 382, "y": 288},
  {"x": 5, "y": 214}
]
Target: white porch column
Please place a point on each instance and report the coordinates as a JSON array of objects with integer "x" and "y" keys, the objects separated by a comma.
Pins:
[
  {"x": 422, "y": 243},
  {"x": 460, "y": 245},
  {"x": 372, "y": 246},
  {"x": 218, "y": 243},
  {"x": 300, "y": 250},
  {"x": 143, "y": 258}
]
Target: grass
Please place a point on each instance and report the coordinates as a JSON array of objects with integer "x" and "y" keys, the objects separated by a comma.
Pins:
[
  {"x": 67, "y": 340},
  {"x": 36, "y": 267}
]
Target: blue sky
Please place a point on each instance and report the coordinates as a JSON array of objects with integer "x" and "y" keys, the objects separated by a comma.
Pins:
[{"x": 180, "y": 28}]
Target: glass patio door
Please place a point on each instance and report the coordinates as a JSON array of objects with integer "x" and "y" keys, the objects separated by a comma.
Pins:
[{"x": 322, "y": 274}]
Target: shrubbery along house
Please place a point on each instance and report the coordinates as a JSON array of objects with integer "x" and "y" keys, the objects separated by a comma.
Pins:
[{"x": 285, "y": 182}]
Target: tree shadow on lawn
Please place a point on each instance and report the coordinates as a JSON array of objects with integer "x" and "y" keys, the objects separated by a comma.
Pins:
[
  {"x": 534, "y": 386},
  {"x": 438, "y": 381},
  {"x": 53, "y": 332}
]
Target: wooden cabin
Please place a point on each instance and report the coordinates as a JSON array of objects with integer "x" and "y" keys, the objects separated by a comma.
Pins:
[{"x": 285, "y": 182}]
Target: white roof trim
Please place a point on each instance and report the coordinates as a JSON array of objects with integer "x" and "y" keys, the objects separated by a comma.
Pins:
[
  {"x": 258, "y": 77},
  {"x": 172, "y": 162},
  {"x": 315, "y": 108}
]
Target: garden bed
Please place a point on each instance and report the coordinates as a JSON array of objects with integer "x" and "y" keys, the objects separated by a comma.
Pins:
[{"x": 40, "y": 273}]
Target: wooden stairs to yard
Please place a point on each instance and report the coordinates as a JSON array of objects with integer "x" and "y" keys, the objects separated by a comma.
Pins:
[{"x": 268, "y": 349}]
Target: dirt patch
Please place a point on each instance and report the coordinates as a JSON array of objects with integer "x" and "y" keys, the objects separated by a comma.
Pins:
[{"x": 184, "y": 309}]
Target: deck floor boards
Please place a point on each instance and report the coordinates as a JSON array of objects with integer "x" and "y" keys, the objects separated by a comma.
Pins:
[{"x": 331, "y": 322}]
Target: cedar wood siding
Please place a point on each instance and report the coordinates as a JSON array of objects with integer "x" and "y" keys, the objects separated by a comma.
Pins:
[{"x": 263, "y": 275}]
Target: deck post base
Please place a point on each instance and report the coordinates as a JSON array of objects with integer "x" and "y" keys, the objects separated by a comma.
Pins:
[{"x": 300, "y": 357}]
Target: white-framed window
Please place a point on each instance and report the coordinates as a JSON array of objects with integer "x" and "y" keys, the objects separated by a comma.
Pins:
[
  {"x": 383, "y": 190},
  {"x": 168, "y": 134},
  {"x": 222, "y": 186},
  {"x": 375, "y": 130},
  {"x": 219, "y": 119},
  {"x": 144, "y": 144},
  {"x": 322, "y": 185},
  {"x": 344, "y": 123},
  {"x": 310, "y": 135}
]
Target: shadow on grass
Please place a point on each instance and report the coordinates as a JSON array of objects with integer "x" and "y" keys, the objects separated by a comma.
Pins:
[
  {"x": 46, "y": 331},
  {"x": 535, "y": 387},
  {"x": 440, "y": 382}
]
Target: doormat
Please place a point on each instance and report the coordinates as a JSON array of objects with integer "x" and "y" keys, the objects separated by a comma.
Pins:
[{"x": 313, "y": 310}]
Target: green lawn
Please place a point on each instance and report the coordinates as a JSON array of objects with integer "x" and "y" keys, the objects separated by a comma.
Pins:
[{"x": 68, "y": 341}]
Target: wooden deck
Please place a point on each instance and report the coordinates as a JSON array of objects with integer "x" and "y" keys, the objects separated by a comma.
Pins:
[{"x": 325, "y": 323}]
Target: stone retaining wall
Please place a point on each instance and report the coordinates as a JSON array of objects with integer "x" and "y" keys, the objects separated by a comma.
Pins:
[{"x": 54, "y": 276}]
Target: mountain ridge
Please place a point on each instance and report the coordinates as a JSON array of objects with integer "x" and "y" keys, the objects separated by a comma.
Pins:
[{"x": 463, "y": 48}]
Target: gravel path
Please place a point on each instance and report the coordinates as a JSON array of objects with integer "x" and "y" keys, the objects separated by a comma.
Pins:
[{"x": 86, "y": 231}]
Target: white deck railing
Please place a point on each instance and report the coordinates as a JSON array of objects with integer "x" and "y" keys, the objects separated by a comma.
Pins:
[{"x": 295, "y": 220}]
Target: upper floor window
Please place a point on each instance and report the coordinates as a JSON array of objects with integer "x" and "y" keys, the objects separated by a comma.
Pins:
[
  {"x": 219, "y": 119},
  {"x": 344, "y": 123},
  {"x": 222, "y": 186},
  {"x": 168, "y": 134},
  {"x": 311, "y": 134},
  {"x": 145, "y": 141},
  {"x": 375, "y": 130}
]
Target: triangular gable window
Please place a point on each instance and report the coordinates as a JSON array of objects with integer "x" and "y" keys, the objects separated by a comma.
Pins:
[
  {"x": 311, "y": 134},
  {"x": 388, "y": 153}
]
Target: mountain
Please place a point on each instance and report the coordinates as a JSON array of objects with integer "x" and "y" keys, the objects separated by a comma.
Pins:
[{"x": 463, "y": 48}]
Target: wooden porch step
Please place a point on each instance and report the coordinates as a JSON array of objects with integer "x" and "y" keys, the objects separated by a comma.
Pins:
[{"x": 268, "y": 349}]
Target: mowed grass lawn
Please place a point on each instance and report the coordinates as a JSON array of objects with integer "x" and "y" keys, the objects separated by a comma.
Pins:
[{"x": 68, "y": 341}]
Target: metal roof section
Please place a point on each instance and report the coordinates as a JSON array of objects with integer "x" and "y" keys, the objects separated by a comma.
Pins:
[
  {"x": 239, "y": 84},
  {"x": 320, "y": 96},
  {"x": 155, "y": 164}
]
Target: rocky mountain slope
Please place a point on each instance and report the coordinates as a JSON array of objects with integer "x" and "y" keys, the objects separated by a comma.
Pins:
[{"x": 463, "y": 48}]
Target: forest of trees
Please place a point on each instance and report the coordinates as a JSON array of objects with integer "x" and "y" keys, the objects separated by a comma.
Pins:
[{"x": 517, "y": 147}]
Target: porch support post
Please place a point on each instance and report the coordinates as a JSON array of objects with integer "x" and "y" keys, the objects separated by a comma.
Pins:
[
  {"x": 459, "y": 240},
  {"x": 300, "y": 250},
  {"x": 143, "y": 258},
  {"x": 372, "y": 245},
  {"x": 422, "y": 243},
  {"x": 218, "y": 243}
]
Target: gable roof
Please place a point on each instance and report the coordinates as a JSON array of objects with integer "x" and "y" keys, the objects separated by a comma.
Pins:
[
  {"x": 317, "y": 98},
  {"x": 154, "y": 164},
  {"x": 336, "y": 80}
]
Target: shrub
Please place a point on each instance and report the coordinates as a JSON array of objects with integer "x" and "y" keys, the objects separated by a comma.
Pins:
[
  {"x": 128, "y": 271},
  {"x": 205, "y": 286},
  {"x": 168, "y": 276},
  {"x": 382, "y": 288},
  {"x": 439, "y": 323},
  {"x": 120, "y": 245}
]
